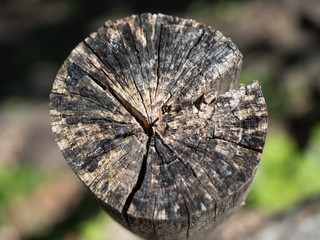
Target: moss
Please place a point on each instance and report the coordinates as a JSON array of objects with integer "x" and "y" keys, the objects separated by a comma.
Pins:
[{"x": 286, "y": 175}]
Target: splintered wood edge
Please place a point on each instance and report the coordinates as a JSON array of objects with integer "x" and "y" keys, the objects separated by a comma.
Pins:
[{"x": 146, "y": 114}]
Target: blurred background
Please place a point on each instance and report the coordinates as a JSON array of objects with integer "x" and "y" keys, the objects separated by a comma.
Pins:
[{"x": 40, "y": 198}]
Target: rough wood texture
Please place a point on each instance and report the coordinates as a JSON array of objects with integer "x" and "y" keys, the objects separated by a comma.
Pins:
[{"x": 146, "y": 113}]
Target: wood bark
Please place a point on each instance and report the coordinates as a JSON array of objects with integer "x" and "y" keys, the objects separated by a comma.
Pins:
[{"x": 146, "y": 113}]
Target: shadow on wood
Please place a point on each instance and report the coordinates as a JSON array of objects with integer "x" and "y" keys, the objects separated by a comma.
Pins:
[{"x": 146, "y": 113}]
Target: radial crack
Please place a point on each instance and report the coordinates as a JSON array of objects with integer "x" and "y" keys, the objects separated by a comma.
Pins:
[
  {"x": 138, "y": 185},
  {"x": 158, "y": 73},
  {"x": 134, "y": 112},
  {"x": 106, "y": 64},
  {"x": 183, "y": 194},
  {"x": 141, "y": 69}
]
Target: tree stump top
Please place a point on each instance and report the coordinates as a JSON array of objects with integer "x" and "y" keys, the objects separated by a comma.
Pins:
[{"x": 146, "y": 113}]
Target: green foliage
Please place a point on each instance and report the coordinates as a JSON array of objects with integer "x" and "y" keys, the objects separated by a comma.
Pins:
[
  {"x": 95, "y": 228},
  {"x": 16, "y": 182},
  {"x": 286, "y": 176}
]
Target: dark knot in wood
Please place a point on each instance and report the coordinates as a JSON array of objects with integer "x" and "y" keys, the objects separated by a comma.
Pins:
[{"x": 146, "y": 113}]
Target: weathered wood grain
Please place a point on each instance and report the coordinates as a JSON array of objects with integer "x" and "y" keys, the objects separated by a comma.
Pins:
[{"x": 146, "y": 113}]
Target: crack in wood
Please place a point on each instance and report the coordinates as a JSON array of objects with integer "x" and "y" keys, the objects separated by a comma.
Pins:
[
  {"x": 123, "y": 136},
  {"x": 141, "y": 70},
  {"x": 177, "y": 189},
  {"x": 201, "y": 72},
  {"x": 109, "y": 66},
  {"x": 182, "y": 64},
  {"x": 133, "y": 77},
  {"x": 134, "y": 112},
  {"x": 103, "y": 170},
  {"x": 204, "y": 29},
  {"x": 103, "y": 63},
  {"x": 259, "y": 150},
  {"x": 214, "y": 195},
  {"x": 158, "y": 66},
  {"x": 149, "y": 77},
  {"x": 138, "y": 184},
  {"x": 187, "y": 165}
]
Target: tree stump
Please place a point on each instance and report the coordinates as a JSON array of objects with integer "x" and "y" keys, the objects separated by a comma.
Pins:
[{"x": 146, "y": 113}]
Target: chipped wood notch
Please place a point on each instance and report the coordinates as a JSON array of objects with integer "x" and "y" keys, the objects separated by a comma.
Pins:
[{"x": 146, "y": 113}]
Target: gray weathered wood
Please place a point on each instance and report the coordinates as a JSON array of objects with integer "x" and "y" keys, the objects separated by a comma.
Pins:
[{"x": 146, "y": 113}]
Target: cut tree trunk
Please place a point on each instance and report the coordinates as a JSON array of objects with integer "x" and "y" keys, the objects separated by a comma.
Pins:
[{"x": 146, "y": 113}]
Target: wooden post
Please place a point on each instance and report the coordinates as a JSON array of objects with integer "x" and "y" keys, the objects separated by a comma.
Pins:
[{"x": 146, "y": 113}]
